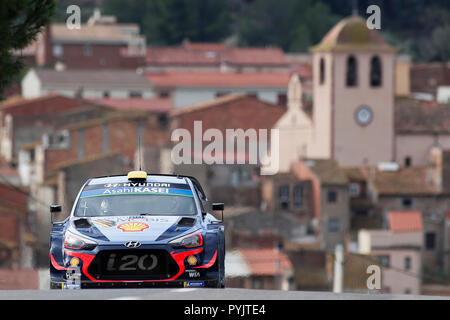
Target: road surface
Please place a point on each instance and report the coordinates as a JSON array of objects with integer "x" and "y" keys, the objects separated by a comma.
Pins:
[{"x": 197, "y": 294}]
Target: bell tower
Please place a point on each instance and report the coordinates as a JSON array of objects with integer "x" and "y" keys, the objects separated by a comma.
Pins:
[{"x": 353, "y": 94}]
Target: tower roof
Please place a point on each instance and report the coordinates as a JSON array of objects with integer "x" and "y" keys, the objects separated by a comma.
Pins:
[{"x": 352, "y": 34}]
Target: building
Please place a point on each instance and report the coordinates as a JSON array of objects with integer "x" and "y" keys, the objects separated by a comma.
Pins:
[
  {"x": 24, "y": 121},
  {"x": 86, "y": 83},
  {"x": 413, "y": 188},
  {"x": 101, "y": 43},
  {"x": 228, "y": 181},
  {"x": 17, "y": 232},
  {"x": 258, "y": 268},
  {"x": 188, "y": 88},
  {"x": 352, "y": 119},
  {"x": 214, "y": 57},
  {"x": 397, "y": 251},
  {"x": 420, "y": 126},
  {"x": 427, "y": 79}
]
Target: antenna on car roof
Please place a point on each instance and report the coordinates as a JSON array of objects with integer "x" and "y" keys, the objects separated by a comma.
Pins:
[{"x": 139, "y": 153}]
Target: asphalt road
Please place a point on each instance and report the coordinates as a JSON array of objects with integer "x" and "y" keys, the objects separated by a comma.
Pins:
[{"x": 197, "y": 294}]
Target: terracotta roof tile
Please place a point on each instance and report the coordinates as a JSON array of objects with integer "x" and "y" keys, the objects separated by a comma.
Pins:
[
  {"x": 405, "y": 181},
  {"x": 216, "y": 79},
  {"x": 414, "y": 116},
  {"x": 147, "y": 104},
  {"x": 264, "y": 261},
  {"x": 328, "y": 171},
  {"x": 214, "y": 54},
  {"x": 405, "y": 221},
  {"x": 86, "y": 78}
]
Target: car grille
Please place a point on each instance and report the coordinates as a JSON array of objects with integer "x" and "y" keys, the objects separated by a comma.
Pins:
[{"x": 133, "y": 265}]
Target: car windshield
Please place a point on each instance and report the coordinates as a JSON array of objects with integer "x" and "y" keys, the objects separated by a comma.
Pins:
[{"x": 132, "y": 204}]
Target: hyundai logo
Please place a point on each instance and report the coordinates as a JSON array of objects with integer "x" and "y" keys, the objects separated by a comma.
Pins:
[{"x": 132, "y": 244}]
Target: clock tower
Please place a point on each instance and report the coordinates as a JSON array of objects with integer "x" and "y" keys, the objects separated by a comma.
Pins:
[{"x": 353, "y": 94}]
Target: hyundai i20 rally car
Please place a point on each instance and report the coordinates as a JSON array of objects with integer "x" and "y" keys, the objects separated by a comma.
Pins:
[{"x": 136, "y": 231}]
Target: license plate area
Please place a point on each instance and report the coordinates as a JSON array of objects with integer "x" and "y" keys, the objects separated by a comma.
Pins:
[{"x": 133, "y": 265}]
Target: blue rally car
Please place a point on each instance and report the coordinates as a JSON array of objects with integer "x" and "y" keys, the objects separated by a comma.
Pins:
[{"x": 138, "y": 230}]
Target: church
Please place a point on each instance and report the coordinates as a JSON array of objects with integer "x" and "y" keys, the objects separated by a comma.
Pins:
[{"x": 358, "y": 118}]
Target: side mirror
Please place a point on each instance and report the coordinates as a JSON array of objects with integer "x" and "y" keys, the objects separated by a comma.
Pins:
[
  {"x": 218, "y": 207},
  {"x": 55, "y": 208}
]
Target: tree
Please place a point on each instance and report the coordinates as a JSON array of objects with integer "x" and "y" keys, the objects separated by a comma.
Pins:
[
  {"x": 168, "y": 22},
  {"x": 290, "y": 24},
  {"x": 20, "y": 23}
]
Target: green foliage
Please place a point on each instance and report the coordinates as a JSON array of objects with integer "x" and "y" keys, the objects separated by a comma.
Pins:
[
  {"x": 168, "y": 22},
  {"x": 290, "y": 24},
  {"x": 20, "y": 23}
]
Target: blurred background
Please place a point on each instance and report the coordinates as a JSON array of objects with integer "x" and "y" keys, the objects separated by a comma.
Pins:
[{"x": 361, "y": 100}]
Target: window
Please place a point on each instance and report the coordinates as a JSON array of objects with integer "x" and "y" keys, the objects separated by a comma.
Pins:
[
  {"x": 354, "y": 190},
  {"x": 256, "y": 283},
  {"x": 58, "y": 50},
  {"x": 164, "y": 94},
  {"x": 430, "y": 240},
  {"x": 331, "y": 196},
  {"x": 407, "y": 203},
  {"x": 298, "y": 196},
  {"x": 408, "y": 161},
  {"x": 221, "y": 94},
  {"x": 334, "y": 225},
  {"x": 284, "y": 197},
  {"x": 322, "y": 71},
  {"x": 384, "y": 261},
  {"x": 282, "y": 99},
  {"x": 407, "y": 263},
  {"x": 88, "y": 49},
  {"x": 375, "y": 72},
  {"x": 135, "y": 94},
  {"x": 352, "y": 72}
]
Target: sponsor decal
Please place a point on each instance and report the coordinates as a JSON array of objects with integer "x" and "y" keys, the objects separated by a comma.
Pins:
[
  {"x": 133, "y": 226},
  {"x": 193, "y": 273},
  {"x": 104, "y": 222},
  {"x": 192, "y": 260},
  {"x": 135, "y": 190},
  {"x": 190, "y": 284},
  {"x": 137, "y": 184}
]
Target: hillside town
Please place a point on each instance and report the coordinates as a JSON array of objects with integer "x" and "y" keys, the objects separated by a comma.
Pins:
[{"x": 364, "y": 150}]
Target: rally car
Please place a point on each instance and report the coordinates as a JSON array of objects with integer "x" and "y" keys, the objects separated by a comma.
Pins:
[{"x": 138, "y": 230}]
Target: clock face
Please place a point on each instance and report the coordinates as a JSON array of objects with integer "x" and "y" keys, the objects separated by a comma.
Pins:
[{"x": 363, "y": 115}]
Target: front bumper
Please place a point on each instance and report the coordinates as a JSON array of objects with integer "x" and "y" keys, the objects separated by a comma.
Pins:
[{"x": 204, "y": 272}]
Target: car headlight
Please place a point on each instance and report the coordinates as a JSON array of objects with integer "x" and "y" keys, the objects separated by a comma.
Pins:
[
  {"x": 189, "y": 241},
  {"x": 72, "y": 241}
]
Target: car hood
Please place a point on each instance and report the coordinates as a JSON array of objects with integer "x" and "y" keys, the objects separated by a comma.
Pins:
[{"x": 140, "y": 228}]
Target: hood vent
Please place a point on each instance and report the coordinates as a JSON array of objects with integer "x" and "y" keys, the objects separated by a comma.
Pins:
[
  {"x": 82, "y": 223},
  {"x": 186, "y": 222}
]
